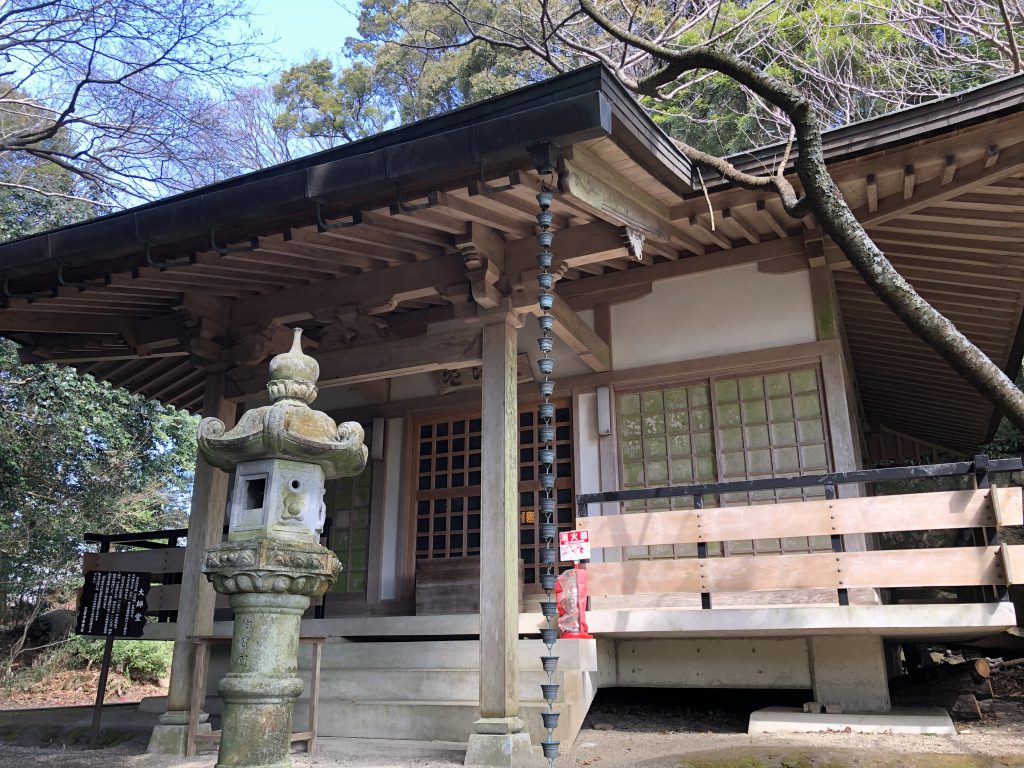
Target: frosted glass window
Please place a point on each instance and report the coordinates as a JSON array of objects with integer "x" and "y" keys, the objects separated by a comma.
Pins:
[{"x": 721, "y": 429}]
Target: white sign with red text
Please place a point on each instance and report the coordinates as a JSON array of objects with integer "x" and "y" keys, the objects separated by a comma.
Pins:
[{"x": 574, "y": 545}]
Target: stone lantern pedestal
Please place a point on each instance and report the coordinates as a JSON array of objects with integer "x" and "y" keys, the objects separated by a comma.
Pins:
[
  {"x": 272, "y": 564},
  {"x": 270, "y": 585}
]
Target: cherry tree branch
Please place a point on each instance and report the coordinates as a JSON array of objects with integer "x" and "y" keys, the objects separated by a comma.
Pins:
[{"x": 824, "y": 199}]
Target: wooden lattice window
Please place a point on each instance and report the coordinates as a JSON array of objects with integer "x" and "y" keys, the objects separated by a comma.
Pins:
[
  {"x": 348, "y": 504},
  {"x": 722, "y": 429},
  {"x": 530, "y": 517},
  {"x": 447, "y": 485}
]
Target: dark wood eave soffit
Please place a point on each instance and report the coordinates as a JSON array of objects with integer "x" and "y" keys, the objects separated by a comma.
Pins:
[
  {"x": 587, "y": 108},
  {"x": 483, "y": 137}
]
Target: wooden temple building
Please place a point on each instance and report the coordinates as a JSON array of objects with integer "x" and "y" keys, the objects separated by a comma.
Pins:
[{"x": 704, "y": 339}]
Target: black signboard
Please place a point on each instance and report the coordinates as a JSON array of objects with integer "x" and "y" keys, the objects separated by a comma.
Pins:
[{"x": 113, "y": 604}]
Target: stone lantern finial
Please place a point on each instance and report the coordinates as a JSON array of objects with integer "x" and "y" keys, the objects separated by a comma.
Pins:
[{"x": 293, "y": 374}]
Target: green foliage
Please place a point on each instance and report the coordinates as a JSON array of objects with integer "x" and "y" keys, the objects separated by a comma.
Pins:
[
  {"x": 322, "y": 105},
  {"x": 78, "y": 456},
  {"x": 410, "y": 61},
  {"x": 856, "y": 60},
  {"x": 141, "y": 660},
  {"x": 1007, "y": 441}
]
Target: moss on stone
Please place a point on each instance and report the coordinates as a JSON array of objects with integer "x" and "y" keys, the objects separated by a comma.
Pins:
[
  {"x": 49, "y": 734},
  {"x": 774, "y": 757}
]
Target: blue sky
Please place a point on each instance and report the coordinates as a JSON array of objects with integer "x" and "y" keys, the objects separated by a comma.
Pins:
[{"x": 301, "y": 26}]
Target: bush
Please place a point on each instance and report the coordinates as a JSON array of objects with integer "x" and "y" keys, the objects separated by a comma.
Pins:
[{"x": 141, "y": 660}]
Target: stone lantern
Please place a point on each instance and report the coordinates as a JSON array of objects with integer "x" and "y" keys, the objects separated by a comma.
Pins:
[{"x": 272, "y": 564}]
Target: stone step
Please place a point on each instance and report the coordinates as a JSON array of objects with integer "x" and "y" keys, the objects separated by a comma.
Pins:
[
  {"x": 418, "y": 684},
  {"x": 428, "y": 720},
  {"x": 339, "y": 654}
]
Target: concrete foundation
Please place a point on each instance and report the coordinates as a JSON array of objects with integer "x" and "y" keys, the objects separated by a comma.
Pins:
[
  {"x": 850, "y": 672},
  {"x": 168, "y": 738},
  {"x": 787, "y": 720},
  {"x": 719, "y": 663},
  {"x": 509, "y": 750}
]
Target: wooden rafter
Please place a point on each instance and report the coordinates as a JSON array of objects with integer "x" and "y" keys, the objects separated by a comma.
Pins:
[{"x": 383, "y": 360}]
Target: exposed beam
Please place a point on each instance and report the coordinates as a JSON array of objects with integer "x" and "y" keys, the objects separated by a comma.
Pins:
[
  {"x": 783, "y": 265},
  {"x": 385, "y": 360},
  {"x": 749, "y": 254},
  {"x": 378, "y": 391},
  {"x": 28, "y": 321},
  {"x": 483, "y": 252},
  {"x": 948, "y": 170},
  {"x": 607, "y": 194},
  {"x": 768, "y": 216},
  {"x": 502, "y": 199},
  {"x": 608, "y": 295},
  {"x": 729, "y": 215},
  {"x": 378, "y": 286},
  {"x": 584, "y": 341},
  {"x": 909, "y": 181},
  {"x": 95, "y": 355},
  {"x": 573, "y": 247},
  {"x": 705, "y": 224},
  {"x": 968, "y": 178},
  {"x": 1006, "y": 233},
  {"x": 470, "y": 210},
  {"x": 384, "y": 228},
  {"x": 299, "y": 243}
]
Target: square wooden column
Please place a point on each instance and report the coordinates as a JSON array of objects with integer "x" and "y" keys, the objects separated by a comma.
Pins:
[
  {"x": 499, "y": 738},
  {"x": 196, "y": 603}
]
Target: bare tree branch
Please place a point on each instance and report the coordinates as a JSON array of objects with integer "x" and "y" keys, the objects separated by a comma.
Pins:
[{"x": 824, "y": 199}]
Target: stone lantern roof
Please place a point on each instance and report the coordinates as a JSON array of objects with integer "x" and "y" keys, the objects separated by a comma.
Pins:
[{"x": 288, "y": 428}]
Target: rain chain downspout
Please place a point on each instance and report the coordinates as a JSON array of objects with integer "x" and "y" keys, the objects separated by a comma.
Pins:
[{"x": 549, "y": 526}]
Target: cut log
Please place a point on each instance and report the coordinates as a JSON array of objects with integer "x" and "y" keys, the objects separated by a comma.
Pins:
[
  {"x": 981, "y": 669},
  {"x": 966, "y": 708},
  {"x": 945, "y": 685},
  {"x": 984, "y": 691}
]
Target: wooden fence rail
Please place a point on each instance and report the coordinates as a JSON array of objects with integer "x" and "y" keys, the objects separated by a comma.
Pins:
[{"x": 982, "y": 566}]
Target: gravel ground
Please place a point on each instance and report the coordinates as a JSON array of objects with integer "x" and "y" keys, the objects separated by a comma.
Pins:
[
  {"x": 599, "y": 749},
  {"x": 648, "y": 729}
]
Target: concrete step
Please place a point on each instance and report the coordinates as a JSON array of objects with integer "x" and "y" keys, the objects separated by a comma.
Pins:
[
  {"x": 418, "y": 684},
  {"x": 422, "y": 720},
  {"x": 341, "y": 654}
]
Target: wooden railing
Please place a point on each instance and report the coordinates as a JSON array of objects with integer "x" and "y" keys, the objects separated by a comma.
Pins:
[
  {"x": 985, "y": 563},
  {"x": 159, "y": 554}
]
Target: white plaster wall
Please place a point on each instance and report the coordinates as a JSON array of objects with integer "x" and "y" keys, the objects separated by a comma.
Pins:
[
  {"x": 392, "y": 500},
  {"x": 713, "y": 313},
  {"x": 588, "y": 460},
  {"x": 567, "y": 362},
  {"x": 416, "y": 385}
]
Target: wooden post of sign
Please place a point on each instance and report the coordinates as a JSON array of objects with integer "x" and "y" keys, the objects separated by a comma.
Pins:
[{"x": 101, "y": 690}]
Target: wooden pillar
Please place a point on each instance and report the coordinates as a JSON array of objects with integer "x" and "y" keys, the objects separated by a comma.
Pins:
[
  {"x": 499, "y": 526},
  {"x": 498, "y": 737},
  {"x": 196, "y": 604}
]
